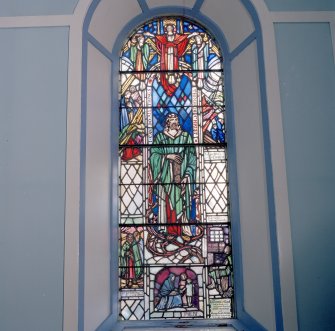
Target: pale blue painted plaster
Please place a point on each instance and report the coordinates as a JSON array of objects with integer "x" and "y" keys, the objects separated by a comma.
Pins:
[
  {"x": 36, "y": 7},
  {"x": 33, "y": 104},
  {"x": 300, "y": 5},
  {"x": 307, "y": 87}
]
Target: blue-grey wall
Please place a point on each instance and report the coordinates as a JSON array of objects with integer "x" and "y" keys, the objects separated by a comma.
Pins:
[
  {"x": 36, "y": 7},
  {"x": 307, "y": 87},
  {"x": 33, "y": 102},
  {"x": 295, "y": 5}
]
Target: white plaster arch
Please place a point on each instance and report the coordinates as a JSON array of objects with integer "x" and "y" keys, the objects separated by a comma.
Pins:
[{"x": 226, "y": 14}]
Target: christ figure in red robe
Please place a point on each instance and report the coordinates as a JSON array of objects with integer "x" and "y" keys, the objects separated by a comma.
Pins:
[{"x": 171, "y": 46}]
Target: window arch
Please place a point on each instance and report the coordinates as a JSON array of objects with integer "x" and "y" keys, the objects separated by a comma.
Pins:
[
  {"x": 175, "y": 256},
  {"x": 257, "y": 271}
]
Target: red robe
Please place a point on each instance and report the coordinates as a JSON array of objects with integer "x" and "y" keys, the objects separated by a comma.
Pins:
[{"x": 179, "y": 45}]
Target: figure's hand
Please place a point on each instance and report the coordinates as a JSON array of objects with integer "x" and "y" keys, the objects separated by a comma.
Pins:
[
  {"x": 148, "y": 34},
  {"x": 173, "y": 293},
  {"x": 175, "y": 157},
  {"x": 191, "y": 35}
]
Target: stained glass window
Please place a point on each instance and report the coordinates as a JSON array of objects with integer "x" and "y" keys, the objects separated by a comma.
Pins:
[{"x": 175, "y": 257}]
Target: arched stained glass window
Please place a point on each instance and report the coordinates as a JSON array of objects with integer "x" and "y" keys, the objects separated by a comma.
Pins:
[{"x": 174, "y": 225}]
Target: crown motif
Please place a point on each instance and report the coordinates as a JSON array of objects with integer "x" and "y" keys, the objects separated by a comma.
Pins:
[{"x": 169, "y": 21}]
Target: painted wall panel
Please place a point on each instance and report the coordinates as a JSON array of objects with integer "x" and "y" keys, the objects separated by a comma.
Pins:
[
  {"x": 36, "y": 7},
  {"x": 97, "y": 220},
  {"x": 183, "y": 3},
  {"x": 307, "y": 85},
  {"x": 33, "y": 101},
  {"x": 300, "y": 5},
  {"x": 254, "y": 222},
  {"x": 225, "y": 13}
]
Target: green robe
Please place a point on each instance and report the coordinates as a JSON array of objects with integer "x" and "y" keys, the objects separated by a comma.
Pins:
[
  {"x": 137, "y": 259},
  {"x": 141, "y": 62},
  {"x": 162, "y": 171},
  {"x": 126, "y": 271},
  {"x": 131, "y": 260}
]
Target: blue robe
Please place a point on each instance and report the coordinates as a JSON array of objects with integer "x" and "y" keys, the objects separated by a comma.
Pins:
[{"x": 168, "y": 300}]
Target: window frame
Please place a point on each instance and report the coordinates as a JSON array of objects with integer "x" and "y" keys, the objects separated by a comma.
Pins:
[{"x": 194, "y": 14}]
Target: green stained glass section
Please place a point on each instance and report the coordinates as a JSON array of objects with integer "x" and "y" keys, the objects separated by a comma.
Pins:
[{"x": 175, "y": 252}]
